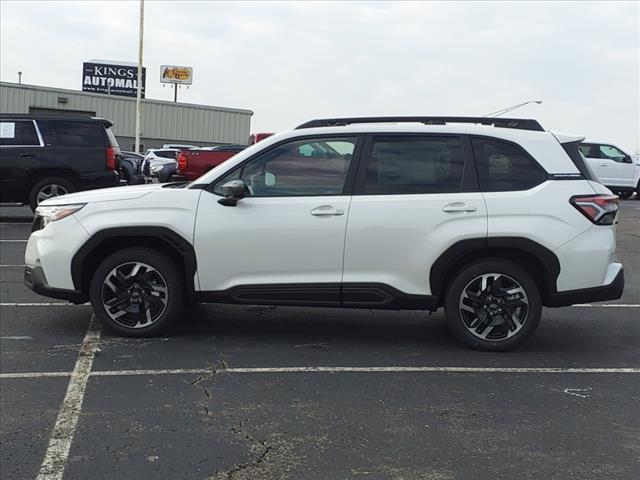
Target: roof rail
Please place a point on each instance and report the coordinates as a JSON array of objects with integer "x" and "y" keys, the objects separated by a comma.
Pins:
[{"x": 520, "y": 123}]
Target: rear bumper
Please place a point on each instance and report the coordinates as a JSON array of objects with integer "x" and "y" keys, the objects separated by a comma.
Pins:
[
  {"x": 611, "y": 291},
  {"x": 35, "y": 279}
]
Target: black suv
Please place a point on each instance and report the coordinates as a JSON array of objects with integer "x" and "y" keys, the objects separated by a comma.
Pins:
[{"x": 43, "y": 156}]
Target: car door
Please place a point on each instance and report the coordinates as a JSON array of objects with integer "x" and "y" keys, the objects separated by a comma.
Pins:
[
  {"x": 415, "y": 196},
  {"x": 615, "y": 168},
  {"x": 284, "y": 241},
  {"x": 20, "y": 150}
]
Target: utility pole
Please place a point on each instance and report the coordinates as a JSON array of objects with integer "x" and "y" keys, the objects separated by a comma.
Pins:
[
  {"x": 139, "y": 84},
  {"x": 175, "y": 93}
]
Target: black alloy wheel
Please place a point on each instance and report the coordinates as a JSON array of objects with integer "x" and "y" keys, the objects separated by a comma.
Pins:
[
  {"x": 492, "y": 305},
  {"x": 137, "y": 292}
]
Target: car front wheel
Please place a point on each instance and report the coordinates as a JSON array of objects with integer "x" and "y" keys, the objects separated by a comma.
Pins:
[
  {"x": 493, "y": 305},
  {"x": 137, "y": 292}
]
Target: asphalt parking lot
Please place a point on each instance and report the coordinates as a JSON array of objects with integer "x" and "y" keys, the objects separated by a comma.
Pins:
[{"x": 269, "y": 393}]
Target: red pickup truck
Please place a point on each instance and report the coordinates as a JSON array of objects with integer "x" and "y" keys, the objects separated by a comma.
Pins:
[{"x": 195, "y": 162}]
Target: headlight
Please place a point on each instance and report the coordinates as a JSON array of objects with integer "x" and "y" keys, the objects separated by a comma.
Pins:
[
  {"x": 156, "y": 168},
  {"x": 57, "y": 212}
]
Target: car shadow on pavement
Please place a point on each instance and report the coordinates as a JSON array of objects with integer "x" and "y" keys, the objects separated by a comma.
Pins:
[{"x": 562, "y": 333}]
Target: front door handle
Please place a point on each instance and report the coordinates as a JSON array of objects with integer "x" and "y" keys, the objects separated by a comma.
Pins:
[
  {"x": 326, "y": 210},
  {"x": 26, "y": 155},
  {"x": 458, "y": 207},
  {"x": 603, "y": 164}
]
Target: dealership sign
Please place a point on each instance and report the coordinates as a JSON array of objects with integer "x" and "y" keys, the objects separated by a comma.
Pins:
[
  {"x": 173, "y": 74},
  {"x": 111, "y": 79}
]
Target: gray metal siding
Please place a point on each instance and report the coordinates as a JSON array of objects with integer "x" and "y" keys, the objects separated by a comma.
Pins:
[{"x": 160, "y": 120}]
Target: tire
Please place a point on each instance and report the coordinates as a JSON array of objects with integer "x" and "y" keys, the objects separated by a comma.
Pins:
[
  {"x": 139, "y": 277},
  {"x": 624, "y": 195},
  {"x": 48, "y": 188},
  {"x": 466, "y": 304}
]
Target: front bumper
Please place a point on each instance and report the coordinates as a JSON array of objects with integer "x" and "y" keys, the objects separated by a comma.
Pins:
[
  {"x": 35, "y": 279},
  {"x": 611, "y": 291}
]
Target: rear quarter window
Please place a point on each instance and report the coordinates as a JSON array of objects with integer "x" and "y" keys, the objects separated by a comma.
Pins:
[
  {"x": 504, "y": 167},
  {"x": 62, "y": 133}
]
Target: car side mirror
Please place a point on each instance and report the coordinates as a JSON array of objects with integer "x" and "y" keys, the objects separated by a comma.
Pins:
[
  {"x": 627, "y": 159},
  {"x": 233, "y": 191}
]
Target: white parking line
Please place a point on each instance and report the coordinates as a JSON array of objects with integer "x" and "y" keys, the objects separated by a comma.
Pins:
[
  {"x": 12, "y": 265},
  {"x": 41, "y": 304},
  {"x": 55, "y": 458},
  {"x": 608, "y": 305},
  {"x": 69, "y": 304},
  {"x": 337, "y": 369},
  {"x": 14, "y": 241}
]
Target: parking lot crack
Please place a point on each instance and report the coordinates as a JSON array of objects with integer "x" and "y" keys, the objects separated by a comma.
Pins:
[{"x": 197, "y": 383}]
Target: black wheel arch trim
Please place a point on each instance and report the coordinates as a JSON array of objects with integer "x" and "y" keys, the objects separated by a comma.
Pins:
[
  {"x": 169, "y": 237},
  {"x": 452, "y": 259}
]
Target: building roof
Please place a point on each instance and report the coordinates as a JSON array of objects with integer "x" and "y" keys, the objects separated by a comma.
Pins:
[{"x": 146, "y": 101}]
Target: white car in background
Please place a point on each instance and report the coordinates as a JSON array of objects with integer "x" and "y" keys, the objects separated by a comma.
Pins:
[
  {"x": 614, "y": 168},
  {"x": 160, "y": 164}
]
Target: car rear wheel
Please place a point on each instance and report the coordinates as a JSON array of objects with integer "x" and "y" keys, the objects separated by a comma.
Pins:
[
  {"x": 137, "y": 292},
  {"x": 49, "y": 188},
  {"x": 493, "y": 305}
]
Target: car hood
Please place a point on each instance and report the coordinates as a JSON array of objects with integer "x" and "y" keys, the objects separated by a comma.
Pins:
[{"x": 104, "y": 195}]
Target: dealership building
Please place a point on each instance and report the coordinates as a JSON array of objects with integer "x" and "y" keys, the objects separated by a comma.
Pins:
[{"x": 162, "y": 122}]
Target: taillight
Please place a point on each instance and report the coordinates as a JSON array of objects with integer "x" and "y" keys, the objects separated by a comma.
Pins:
[
  {"x": 111, "y": 158},
  {"x": 182, "y": 162},
  {"x": 600, "y": 209}
]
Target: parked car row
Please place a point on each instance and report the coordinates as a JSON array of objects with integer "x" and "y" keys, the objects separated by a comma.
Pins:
[{"x": 43, "y": 156}]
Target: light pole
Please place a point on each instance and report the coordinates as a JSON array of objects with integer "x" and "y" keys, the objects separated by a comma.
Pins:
[
  {"x": 19, "y": 77},
  {"x": 497, "y": 113},
  {"x": 139, "y": 83}
]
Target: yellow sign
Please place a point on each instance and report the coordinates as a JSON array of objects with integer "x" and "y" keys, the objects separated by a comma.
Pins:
[{"x": 173, "y": 74}]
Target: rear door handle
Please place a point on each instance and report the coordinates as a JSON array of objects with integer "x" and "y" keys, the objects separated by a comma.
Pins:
[
  {"x": 25, "y": 155},
  {"x": 326, "y": 210},
  {"x": 458, "y": 207},
  {"x": 603, "y": 164}
]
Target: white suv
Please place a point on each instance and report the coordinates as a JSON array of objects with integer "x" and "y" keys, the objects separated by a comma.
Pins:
[
  {"x": 614, "y": 167},
  {"x": 491, "y": 219}
]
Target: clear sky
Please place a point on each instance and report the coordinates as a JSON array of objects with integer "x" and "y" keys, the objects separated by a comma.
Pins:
[{"x": 290, "y": 62}]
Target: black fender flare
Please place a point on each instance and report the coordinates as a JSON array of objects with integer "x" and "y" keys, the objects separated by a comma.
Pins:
[
  {"x": 453, "y": 257},
  {"x": 165, "y": 235}
]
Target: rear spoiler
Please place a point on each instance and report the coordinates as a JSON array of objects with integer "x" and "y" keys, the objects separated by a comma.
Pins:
[{"x": 106, "y": 122}]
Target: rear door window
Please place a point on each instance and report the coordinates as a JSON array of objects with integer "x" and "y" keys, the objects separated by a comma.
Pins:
[
  {"x": 503, "y": 166},
  {"x": 414, "y": 165},
  {"x": 18, "y": 133}
]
